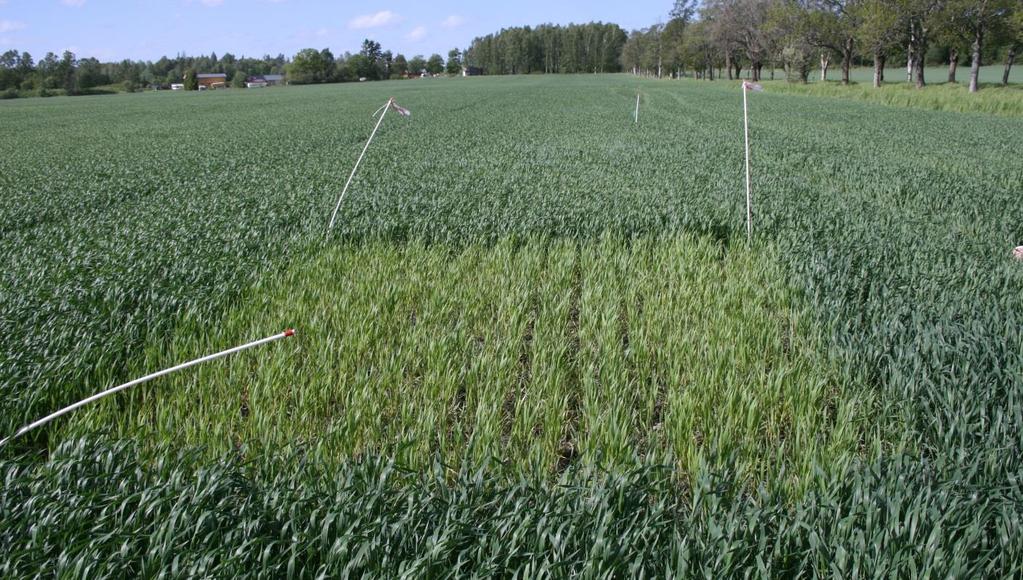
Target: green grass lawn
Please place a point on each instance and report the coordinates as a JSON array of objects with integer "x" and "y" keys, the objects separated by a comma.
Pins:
[
  {"x": 991, "y": 99},
  {"x": 940, "y": 95},
  {"x": 990, "y": 74}
]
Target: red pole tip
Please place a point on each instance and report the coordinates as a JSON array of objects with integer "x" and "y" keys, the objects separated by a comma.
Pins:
[{"x": 289, "y": 332}]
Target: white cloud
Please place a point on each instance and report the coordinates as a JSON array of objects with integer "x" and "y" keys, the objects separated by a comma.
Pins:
[
  {"x": 382, "y": 18},
  {"x": 74, "y": 3},
  {"x": 418, "y": 33},
  {"x": 211, "y": 3},
  {"x": 453, "y": 21},
  {"x": 11, "y": 26}
]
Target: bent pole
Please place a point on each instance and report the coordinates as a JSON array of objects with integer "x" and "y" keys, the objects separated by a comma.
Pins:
[
  {"x": 747, "y": 87},
  {"x": 149, "y": 377},
  {"x": 749, "y": 194},
  {"x": 333, "y": 216}
]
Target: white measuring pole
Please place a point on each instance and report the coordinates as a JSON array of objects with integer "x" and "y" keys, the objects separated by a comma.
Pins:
[
  {"x": 128, "y": 385},
  {"x": 749, "y": 195},
  {"x": 356, "y": 168},
  {"x": 637, "y": 108}
]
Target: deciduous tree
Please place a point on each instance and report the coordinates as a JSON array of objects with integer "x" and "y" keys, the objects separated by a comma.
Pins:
[
  {"x": 879, "y": 32},
  {"x": 976, "y": 20},
  {"x": 454, "y": 65},
  {"x": 921, "y": 18},
  {"x": 417, "y": 65},
  {"x": 1014, "y": 34},
  {"x": 400, "y": 66},
  {"x": 674, "y": 35},
  {"x": 739, "y": 28},
  {"x": 833, "y": 26},
  {"x": 310, "y": 66},
  {"x": 435, "y": 65}
]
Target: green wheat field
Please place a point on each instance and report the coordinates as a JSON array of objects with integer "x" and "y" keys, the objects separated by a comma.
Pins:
[{"x": 537, "y": 343}]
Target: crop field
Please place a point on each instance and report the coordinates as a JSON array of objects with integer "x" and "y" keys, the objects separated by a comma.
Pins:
[{"x": 538, "y": 341}]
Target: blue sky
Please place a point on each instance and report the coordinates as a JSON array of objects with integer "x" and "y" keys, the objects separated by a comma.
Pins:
[{"x": 139, "y": 29}]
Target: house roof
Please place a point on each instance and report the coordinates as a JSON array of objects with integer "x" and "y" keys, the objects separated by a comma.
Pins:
[{"x": 211, "y": 76}]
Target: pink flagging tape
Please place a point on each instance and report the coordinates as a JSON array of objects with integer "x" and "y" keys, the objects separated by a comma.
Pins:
[{"x": 399, "y": 109}]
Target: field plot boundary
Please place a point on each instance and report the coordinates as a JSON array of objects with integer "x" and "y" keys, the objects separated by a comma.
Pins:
[{"x": 612, "y": 351}]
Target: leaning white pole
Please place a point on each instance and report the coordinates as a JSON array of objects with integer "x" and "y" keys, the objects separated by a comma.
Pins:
[
  {"x": 144, "y": 379},
  {"x": 749, "y": 195},
  {"x": 637, "y": 108},
  {"x": 356, "y": 168}
]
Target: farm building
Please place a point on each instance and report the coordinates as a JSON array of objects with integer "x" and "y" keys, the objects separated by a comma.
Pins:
[
  {"x": 260, "y": 81},
  {"x": 420, "y": 74},
  {"x": 211, "y": 80},
  {"x": 472, "y": 71}
]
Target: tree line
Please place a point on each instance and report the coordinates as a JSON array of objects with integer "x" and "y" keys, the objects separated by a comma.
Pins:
[
  {"x": 21, "y": 75},
  {"x": 577, "y": 48},
  {"x": 372, "y": 62},
  {"x": 706, "y": 39},
  {"x": 727, "y": 37}
]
